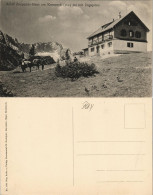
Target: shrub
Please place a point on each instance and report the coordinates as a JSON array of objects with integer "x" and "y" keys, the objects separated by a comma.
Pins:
[{"x": 74, "y": 70}]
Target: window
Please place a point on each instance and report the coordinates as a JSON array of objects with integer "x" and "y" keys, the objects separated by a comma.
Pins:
[
  {"x": 95, "y": 40},
  {"x": 131, "y": 23},
  {"x": 123, "y": 32},
  {"x": 100, "y": 38},
  {"x": 131, "y": 33},
  {"x": 138, "y": 34},
  {"x": 92, "y": 49},
  {"x": 102, "y": 46},
  {"x": 130, "y": 45},
  {"x": 89, "y": 42},
  {"x": 110, "y": 44}
]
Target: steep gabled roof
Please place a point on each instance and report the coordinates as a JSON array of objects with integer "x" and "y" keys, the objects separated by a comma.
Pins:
[{"x": 112, "y": 24}]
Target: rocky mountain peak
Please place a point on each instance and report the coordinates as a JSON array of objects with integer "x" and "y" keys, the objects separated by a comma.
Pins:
[{"x": 12, "y": 51}]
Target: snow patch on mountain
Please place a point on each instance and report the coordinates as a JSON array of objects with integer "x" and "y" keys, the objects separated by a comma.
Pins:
[{"x": 55, "y": 55}]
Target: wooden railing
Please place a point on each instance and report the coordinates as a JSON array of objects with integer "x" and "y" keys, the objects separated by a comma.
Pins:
[
  {"x": 108, "y": 37},
  {"x": 95, "y": 42}
]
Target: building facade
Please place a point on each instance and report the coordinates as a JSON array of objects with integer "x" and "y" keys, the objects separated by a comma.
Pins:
[{"x": 125, "y": 35}]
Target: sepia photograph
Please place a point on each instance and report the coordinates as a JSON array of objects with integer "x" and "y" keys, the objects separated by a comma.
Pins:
[{"x": 75, "y": 48}]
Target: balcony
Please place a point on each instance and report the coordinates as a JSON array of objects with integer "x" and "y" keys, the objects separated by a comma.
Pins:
[
  {"x": 108, "y": 37},
  {"x": 93, "y": 43},
  {"x": 105, "y": 38}
]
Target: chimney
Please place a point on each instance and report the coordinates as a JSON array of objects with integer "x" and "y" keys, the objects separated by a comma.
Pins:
[
  {"x": 113, "y": 20},
  {"x": 119, "y": 15}
]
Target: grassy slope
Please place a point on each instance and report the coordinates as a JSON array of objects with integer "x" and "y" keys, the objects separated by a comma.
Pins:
[{"x": 134, "y": 71}]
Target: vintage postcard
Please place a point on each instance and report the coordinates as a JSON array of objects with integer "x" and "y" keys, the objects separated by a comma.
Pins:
[
  {"x": 75, "y": 48},
  {"x": 75, "y": 97}
]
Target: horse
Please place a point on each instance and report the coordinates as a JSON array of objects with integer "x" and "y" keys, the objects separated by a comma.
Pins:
[
  {"x": 25, "y": 64},
  {"x": 37, "y": 63},
  {"x": 29, "y": 64}
]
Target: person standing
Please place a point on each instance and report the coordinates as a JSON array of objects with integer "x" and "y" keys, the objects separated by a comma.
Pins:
[{"x": 42, "y": 63}]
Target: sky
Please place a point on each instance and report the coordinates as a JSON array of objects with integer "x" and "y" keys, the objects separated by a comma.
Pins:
[{"x": 66, "y": 24}]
